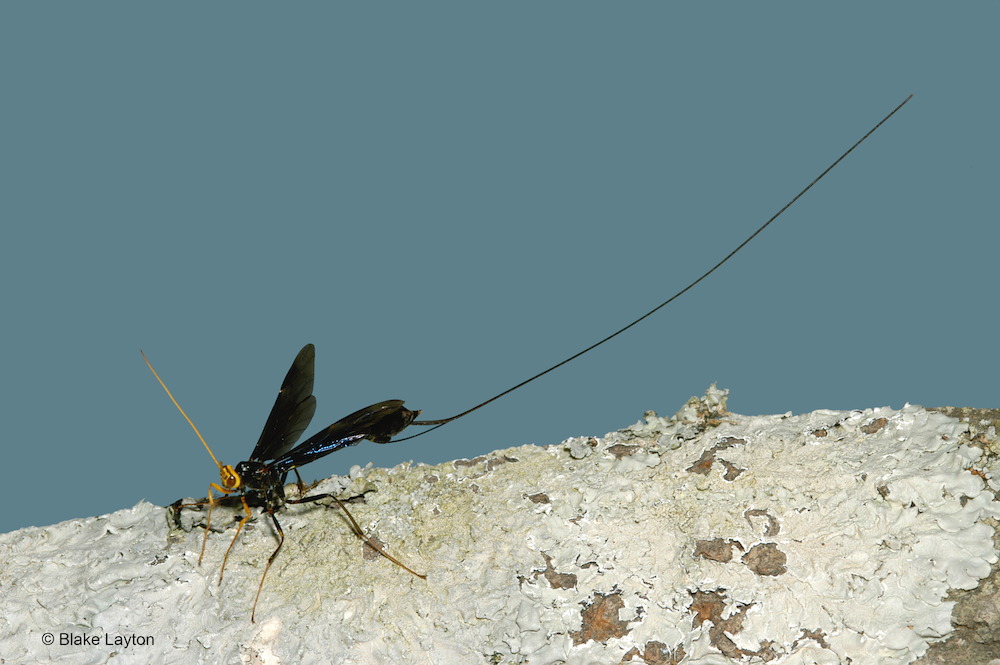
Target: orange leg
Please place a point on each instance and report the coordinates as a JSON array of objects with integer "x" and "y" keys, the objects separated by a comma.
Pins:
[
  {"x": 208, "y": 525},
  {"x": 238, "y": 529}
]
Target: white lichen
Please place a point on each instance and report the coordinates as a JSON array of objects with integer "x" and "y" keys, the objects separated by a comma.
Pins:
[{"x": 704, "y": 538}]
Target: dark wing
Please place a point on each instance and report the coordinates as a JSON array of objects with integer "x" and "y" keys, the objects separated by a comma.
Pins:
[
  {"x": 378, "y": 422},
  {"x": 292, "y": 410}
]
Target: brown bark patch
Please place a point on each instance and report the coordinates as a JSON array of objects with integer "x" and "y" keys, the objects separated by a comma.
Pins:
[
  {"x": 704, "y": 463},
  {"x": 874, "y": 426},
  {"x": 773, "y": 527},
  {"x": 557, "y": 580},
  {"x": 766, "y": 559},
  {"x": 716, "y": 549},
  {"x": 656, "y": 653},
  {"x": 710, "y": 606},
  {"x": 600, "y": 620},
  {"x": 620, "y": 450}
]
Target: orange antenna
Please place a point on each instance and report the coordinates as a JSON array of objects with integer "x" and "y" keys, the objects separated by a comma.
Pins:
[
  {"x": 230, "y": 479},
  {"x": 217, "y": 463}
]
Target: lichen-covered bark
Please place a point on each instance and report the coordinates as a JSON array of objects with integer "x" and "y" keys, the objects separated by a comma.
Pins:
[{"x": 705, "y": 538}]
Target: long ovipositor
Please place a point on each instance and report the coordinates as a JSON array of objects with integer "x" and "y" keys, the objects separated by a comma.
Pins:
[{"x": 259, "y": 481}]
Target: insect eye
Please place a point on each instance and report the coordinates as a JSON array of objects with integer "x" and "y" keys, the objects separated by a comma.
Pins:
[{"x": 230, "y": 479}]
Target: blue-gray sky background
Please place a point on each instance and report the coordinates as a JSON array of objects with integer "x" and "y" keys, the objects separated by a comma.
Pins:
[{"x": 447, "y": 198}]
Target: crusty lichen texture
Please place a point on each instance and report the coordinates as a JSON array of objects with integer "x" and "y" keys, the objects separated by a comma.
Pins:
[
  {"x": 822, "y": 537},
  {"x": 709, "y": 537}
]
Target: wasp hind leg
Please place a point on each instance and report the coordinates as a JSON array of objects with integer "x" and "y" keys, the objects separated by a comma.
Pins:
[{"x": 358, "y": 531}]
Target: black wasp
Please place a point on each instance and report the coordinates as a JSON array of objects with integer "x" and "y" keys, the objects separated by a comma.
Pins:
[{"x": 260, "y": 481}]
